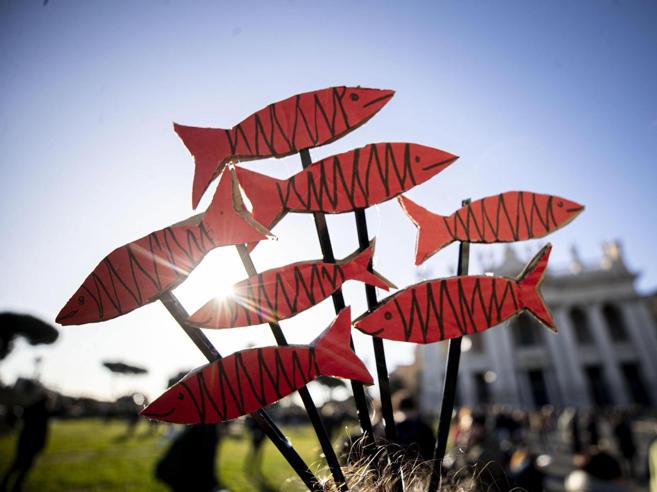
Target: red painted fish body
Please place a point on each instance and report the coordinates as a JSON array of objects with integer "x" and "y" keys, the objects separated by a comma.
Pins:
[
  {"x": 139, "y": 272},
  {"x": 299, "y": 122},
  {"x": 251, "y": 379},
  {"x": 281, "y": 293},
  {"x": 448, "y": 308},
  {"x": 344, "y": 182},
  {"x": 507, "y": 217}
]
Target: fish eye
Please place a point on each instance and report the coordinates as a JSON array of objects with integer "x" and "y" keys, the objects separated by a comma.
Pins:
[
  {"x": 354, "y": 97},
  {"x": 181, "y": 396},
  {"x": 417, "y": 158},
  {"x": 81, "y": 300},
  {"x": 388, "y": 315},
  {"x": 559, "y": 204}
]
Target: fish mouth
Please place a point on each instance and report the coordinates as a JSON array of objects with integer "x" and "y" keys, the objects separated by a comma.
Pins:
[
  {"x": 388, "y": 94},
  {"x": 444, "y": 162},
  {"x": 147, "y": 413},
  {"x": 575, "y": 209},
  {"x": 63, "y": 317},
  {"x": 372, "y": 333}
]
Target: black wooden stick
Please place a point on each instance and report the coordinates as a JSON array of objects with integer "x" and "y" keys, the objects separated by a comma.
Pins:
[
  {"x": 339, "y": 304},
  {"x": 451, "y": 375},
  {"x": 377, "y": 343},
  {"x": 311, "y": 409},
  {"x": 261, "y": 418},
  {"x": 380, "y": 357}
]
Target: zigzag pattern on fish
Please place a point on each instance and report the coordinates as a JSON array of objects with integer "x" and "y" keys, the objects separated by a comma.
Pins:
[
  {"x": 320, "y": 114},
  {"x": 191, "y": 242},
  {"x": 246, "y": 381},
  {"x": 529, "y": 220},
  {"x": 252, "y": 304},
  {"x": 278, "y": 379},
  {"x": 321, "y": 191},
  {"x": 462, "y": 309},
  {"x": 280, "y": 129}
]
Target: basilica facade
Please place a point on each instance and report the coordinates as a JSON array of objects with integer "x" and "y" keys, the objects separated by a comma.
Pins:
[{"x": 604, "y": 354}]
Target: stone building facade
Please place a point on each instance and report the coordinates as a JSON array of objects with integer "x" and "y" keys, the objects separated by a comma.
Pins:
[{"x": 604, "y": 354}]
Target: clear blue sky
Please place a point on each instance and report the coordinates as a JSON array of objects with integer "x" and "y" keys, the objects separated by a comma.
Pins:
[{"x": 557, "y": 97}]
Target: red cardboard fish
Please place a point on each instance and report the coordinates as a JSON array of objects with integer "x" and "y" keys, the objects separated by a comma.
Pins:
[
  {"x": 281, "y": 293},
  {"x": 299, "y": 122},
  {"x": 343, "y": 182},
  {"x": 510, "y": 216},
  {"x": 251, "y": 379},
  {"x": 139, "y": 272},
  {"x": 448, "y": 308}
]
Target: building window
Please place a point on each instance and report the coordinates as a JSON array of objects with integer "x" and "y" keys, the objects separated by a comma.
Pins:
[
  {"x": 481, "y": 388},
  {"x": 581, "y": 326},
  {"x": 615, "y": 324},
  {"x": 526, "y": 331},
  {"x": 538, "y": 388},
  {"x": 598, "y": 388},
  {"x": 635, "y": 384}
]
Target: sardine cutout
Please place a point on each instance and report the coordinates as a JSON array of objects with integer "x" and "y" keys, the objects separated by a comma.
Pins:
[
  {"x": 254, "y": 378},
  {"x": 139, "y": 272},
  {"x": 441, "y": 309},
  {"x": 299, "y": 122},
  {"x": 280, "y": 293},
  {"x": 344, "y": 182},
  {"x": 507, "y": 217}
]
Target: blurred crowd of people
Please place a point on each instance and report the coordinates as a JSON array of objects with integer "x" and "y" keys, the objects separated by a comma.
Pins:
[
  {"x": 573, "y": 449},
  {"x": 490, "y": 448}
]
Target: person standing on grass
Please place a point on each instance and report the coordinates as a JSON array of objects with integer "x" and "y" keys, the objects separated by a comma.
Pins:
[
  {"x": 189, "y": 464},
  {"x": 32, "y": 438},
  {"x": 253, "y": 461}
]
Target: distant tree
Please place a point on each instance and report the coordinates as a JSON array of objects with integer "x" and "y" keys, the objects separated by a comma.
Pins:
[{"x": 34, "y": 330}]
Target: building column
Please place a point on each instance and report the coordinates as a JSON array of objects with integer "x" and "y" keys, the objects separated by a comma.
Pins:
[
  {"x": 499, "y": 348},
  {"x": 563, "y": 349},
  {"x": 606, "y": 348},
  {"x": 643, "y": 333},
  {"x": 467, "y": 388},
  {"x": 562, "y": 367},
  {"x": 431, "y": 380},
  {"x": 555, "y": 390}
]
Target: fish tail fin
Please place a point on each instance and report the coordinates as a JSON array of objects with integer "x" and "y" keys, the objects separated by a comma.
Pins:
[
  {"x": 211, "y": 150},
  {"x": 356, "y": 266},
  {"x": 227, "y": 220},
  {"x": 529, "y": 282},
  {"x": 335, "y": 356},
  {"x": 264, "y": 195},
  {"x": 432, "y": 231}
]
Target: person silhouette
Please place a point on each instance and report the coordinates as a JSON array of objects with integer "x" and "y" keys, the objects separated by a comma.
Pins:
[
  {"x": 32, "y": 438},
  {"x": 253, "y": 460},
  {"x": 414, "y": 435},
  {"x": 189, "y": 464}
]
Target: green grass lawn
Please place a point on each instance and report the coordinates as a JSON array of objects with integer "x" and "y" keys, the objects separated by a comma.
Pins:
[{"x": 85, "y": 455}]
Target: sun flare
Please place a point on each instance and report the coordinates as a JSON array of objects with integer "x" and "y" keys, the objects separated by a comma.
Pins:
[
  {"x": 224, "y": 290},
  {"x": 214, "y": 278}
]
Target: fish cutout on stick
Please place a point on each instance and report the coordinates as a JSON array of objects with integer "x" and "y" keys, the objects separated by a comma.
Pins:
[
  {"x": 441, "y": 309},
  {"x": 280, "y": 293},
  {"x": 344, "y": 182},
  {"x": 285, "y": 127},
  {"x": 507, "y": 217},
  {"x": 139, "y": 272},
  {"x": 254, "y": 378}
]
